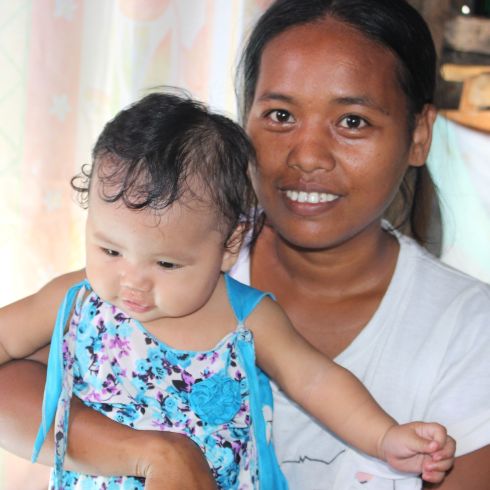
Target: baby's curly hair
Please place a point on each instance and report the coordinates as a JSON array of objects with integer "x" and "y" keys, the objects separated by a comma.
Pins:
[{"x": 167, "y": 145}]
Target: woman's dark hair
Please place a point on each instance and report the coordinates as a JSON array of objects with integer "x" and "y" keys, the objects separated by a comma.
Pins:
[
  {"x": 393, "y": 24},
  {"x": 166, "y": 146}
]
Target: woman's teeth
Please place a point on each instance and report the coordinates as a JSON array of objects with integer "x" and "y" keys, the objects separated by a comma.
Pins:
[{"x": 310, "y": 197}]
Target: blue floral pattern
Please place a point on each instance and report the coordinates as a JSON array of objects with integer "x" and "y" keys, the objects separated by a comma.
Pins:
[
  {"x": 118, "y": 368},
  {"x": 217, "y": 399}
]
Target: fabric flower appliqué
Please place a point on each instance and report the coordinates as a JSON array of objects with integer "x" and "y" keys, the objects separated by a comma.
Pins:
[{"x": 216, "y": 400}]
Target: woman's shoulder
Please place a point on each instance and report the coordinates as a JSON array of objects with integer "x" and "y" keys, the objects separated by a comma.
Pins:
[{"x": 440, "y": 287}]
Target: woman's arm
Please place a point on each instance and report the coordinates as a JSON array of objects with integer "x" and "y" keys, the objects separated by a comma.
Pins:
[
  {"x": 96, "y": 445},
  {"x": 470, "y": 472}
]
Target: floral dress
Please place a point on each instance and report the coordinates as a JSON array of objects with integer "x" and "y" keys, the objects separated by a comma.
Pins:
[{"x": 218, "y": 398}]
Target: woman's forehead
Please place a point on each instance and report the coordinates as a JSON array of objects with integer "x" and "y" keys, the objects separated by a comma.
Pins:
[
  {"x": 323, "y": 57},
  {"x": 328, "y": 40}
]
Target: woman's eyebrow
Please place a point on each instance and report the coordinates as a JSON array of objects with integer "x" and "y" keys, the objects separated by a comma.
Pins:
[
  {"x": 343, "y": 100},
  {"x": 266, "y": 96},
  {"x": 361, "y": 100}
]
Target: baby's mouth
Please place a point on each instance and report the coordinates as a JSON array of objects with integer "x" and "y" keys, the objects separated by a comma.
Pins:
[{"x": 135, "y": 307}]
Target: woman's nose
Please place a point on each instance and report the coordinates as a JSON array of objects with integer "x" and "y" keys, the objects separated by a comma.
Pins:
[{"x": 311, "y": 151}]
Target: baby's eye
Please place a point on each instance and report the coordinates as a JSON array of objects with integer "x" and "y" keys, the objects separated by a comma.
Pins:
[
  {"x": 280, "y": 116},
  {"x": 353, "y": 122},
  {"x": 168, "y": 265},
  {"x": 110, "y": 252}
]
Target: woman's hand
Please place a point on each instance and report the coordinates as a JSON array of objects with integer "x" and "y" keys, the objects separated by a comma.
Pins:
[
  {"x": 419, "y": 447},
  {"x": 96, "y": 444},
  {"x": 174, "y": 462}
]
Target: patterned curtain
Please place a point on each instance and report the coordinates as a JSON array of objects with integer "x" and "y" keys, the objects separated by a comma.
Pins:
[{"x": 67, "y": 66}]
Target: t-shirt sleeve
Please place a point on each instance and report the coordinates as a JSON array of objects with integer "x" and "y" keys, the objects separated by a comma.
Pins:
[{"x": 461, "y": 395}]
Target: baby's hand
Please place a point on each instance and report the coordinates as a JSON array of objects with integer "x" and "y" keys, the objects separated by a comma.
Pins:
[{"x": 419, "y": 447}]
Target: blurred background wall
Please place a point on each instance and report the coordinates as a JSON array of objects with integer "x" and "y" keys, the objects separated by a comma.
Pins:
[{"x": 67, "y": 66}]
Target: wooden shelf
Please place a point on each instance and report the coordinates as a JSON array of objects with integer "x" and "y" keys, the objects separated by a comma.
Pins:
[{"x": 474, "y": 105}]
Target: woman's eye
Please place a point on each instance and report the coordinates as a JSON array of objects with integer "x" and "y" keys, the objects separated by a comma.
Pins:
[
  {"x": 168, "y": 265},
  {"x": 280, "y": 116},
  {"x": 110, "y": 252},
  {"x": 353, "y": 122}
]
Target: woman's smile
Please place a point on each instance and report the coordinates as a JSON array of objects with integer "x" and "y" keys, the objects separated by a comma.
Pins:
[
  {"x": 304, "y": 202},
  {"x": 310, "y": 197}
]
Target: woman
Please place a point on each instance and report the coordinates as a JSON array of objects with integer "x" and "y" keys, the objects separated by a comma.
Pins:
[{"x": 337, "y": 101}]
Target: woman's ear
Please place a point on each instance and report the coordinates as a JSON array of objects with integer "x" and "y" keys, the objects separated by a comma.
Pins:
[
  {"x": 422, "y": 136},
  {"x": 232, "y": 248}
]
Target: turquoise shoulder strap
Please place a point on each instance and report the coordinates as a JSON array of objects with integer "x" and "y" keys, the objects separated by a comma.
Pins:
[
  {"x": 54, "y": 376},
  {"x": 243, "y": 298}
]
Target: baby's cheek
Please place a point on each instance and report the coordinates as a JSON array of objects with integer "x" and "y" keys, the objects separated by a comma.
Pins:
[{"x": 103, "y": 285}]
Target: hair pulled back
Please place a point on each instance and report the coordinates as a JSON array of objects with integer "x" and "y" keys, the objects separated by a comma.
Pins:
[{"x": 393, "y": 24}]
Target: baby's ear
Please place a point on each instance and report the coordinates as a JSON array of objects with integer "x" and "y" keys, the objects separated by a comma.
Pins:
[{"x": 232, "y": 248}]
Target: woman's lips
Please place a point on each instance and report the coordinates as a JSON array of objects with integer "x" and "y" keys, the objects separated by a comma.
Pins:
[
  {"x": 310, "y": 197},
  {"x": 309, "y": 203}
]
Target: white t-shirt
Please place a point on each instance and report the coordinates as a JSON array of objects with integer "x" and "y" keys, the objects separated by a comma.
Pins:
[{"x": 425, "y": 355}]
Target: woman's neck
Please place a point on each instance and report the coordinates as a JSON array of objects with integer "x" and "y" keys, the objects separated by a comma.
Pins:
[
  {"x": 329, "y": 295},
  {"x": 363, "y": 262}
]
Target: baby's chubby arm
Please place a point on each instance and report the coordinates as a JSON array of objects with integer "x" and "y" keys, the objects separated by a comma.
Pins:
[
  {"x": 335, "y": 397},
  {"x": 27, "y": 324}
]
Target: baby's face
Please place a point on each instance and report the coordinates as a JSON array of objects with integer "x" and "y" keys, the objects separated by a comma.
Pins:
[{"x": 153, "y": 264}]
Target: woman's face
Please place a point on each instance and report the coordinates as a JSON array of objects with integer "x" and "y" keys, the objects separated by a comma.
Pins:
[{"x": 329, "y": 123}]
